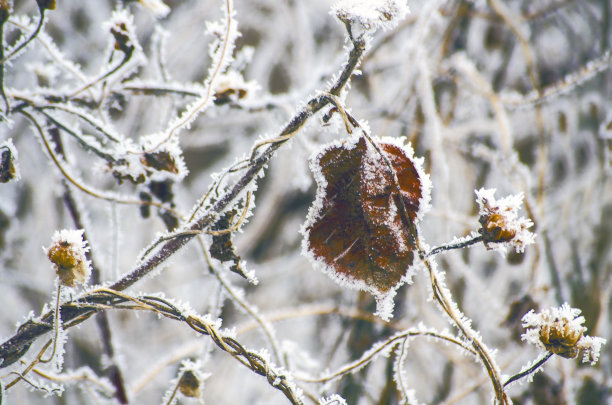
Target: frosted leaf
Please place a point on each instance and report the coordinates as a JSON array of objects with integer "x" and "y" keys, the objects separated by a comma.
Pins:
[
  {"x": 371, "y": 14},
  {"x": 561, "y": 331},
  {"x": 501, "y": 225},
  {"x": 355, "y": 230}
]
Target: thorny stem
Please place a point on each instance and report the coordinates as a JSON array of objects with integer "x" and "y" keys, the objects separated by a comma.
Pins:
[{"x": 530, "y": 370}]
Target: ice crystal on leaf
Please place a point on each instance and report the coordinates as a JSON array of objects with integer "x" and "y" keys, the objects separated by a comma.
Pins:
[
  {"x": 501, "y": 225},
  {"x": 356, "y": 230},
  {"x": 372, "y": 14},
  {"x": 561, "y": 331}
]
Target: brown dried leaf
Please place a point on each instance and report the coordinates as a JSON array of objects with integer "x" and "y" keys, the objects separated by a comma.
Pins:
[{"x": 355, "y": 227}]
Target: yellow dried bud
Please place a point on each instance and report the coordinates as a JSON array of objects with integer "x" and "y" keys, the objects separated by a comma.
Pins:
[
  {"x": 495, "y": 228},
  {"x": 67, "y": 253},
  {"x": 559, "y": 337}
]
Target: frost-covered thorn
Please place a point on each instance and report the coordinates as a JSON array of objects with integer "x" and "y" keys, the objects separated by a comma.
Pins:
[
  {"x": 68, "y": 255},
  {"x": 500, "y": 224},
  {"x": 561, "y": 331}
]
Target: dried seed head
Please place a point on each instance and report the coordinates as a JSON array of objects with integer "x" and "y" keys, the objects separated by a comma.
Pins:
[
  {"x": 9, "y": 169},
  {"x": 560, "y": 338},
  {"x": 561, "y": 331},
  {"x": 501, "y": 225},
  {"x": 68, "y": 255},
  {"x": 495, "y": 228},
  {"x": 189, "y": 384}
]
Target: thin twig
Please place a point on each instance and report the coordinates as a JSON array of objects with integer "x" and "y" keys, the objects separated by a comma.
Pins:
[
  {"x": 530, "y": 370},
  {"x": 19, "y": 47},
  {"x": 451, "y": 246}
]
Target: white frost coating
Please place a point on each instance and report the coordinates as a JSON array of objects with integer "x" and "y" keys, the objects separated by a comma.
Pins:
[
  {"x": 408, "y": 396},
  {"x": 233, "y": 81},
  {"x": 384, "y": 301},
  {"x": 507, "y": 209},
  {"x": 372, "y": 14},
  {"x": 156, "y": 7},
  {"x": 564, "y": 322},
  {"x": 333, "y": 399}
]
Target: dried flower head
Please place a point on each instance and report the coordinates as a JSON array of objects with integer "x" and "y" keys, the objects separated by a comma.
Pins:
[
  {"x": 501, "y": 225},
  {"x": 68, "y": 255},
  {"x": 189, "y": 384},
  {"x": 191, "y": 379},
  {"x": 561, "y": 331}
]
